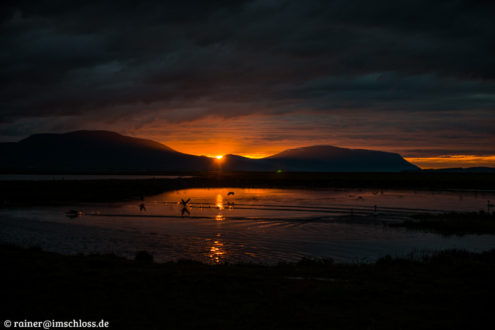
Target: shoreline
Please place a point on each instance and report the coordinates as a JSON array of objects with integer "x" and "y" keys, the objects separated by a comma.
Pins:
[{"x": 388, "y": 294}]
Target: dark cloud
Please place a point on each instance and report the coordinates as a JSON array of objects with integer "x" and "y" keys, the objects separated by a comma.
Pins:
[{"x": 68, "y": 64}]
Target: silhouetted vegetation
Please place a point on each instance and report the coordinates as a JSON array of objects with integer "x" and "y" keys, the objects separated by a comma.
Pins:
[
  {"x": 56, "y": 192},
  {"x": 449, "y": 290},
  {"x": 453, "y": 223},
  {"x": 144, "y": 257}
]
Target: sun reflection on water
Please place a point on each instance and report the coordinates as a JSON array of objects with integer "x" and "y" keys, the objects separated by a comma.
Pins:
[
  {"x": 217, "y": 252},
  {"x": 219, "y": 202}
]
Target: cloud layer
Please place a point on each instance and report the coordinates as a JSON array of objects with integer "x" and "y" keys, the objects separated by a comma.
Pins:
[{"x": 419, "y": 71}]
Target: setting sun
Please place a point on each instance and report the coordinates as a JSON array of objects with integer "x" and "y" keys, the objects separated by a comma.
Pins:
[{"x": 219, "y": 157}]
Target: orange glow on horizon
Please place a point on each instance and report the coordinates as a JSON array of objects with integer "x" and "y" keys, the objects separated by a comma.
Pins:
[
  {"x": 263, "y": 151},
  {"x": 259, "y": 136},
  {"x": 250, "y": 155},
  {"x": 434, "y": 162},
  {"x": 259, "y": 152},
  {"x": 452, "y": 161},
  {"x": 257, "y": 156}
]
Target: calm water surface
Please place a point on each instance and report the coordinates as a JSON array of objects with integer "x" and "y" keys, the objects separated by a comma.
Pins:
[{"x": 256, "y": 225}]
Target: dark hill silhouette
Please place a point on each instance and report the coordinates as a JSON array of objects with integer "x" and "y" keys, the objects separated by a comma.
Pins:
[
  {"x": 95, "y": 150},
  {"x": 108, "y": 151},
  {"x": 334, "y": 159},
  {"x": 89, "y": 139}
]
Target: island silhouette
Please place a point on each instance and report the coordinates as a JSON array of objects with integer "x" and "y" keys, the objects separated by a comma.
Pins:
[{"x": 104, "y": 150}]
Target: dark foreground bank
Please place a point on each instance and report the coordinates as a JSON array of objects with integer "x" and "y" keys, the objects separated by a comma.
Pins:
[{"x": 451, "y": 290}]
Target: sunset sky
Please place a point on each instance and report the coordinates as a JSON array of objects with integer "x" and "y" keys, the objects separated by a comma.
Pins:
[{"x": 257, "y": 77}]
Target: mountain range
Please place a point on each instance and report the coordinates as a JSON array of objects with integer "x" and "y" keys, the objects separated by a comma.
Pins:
[{"x": 110, "y": 151}]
